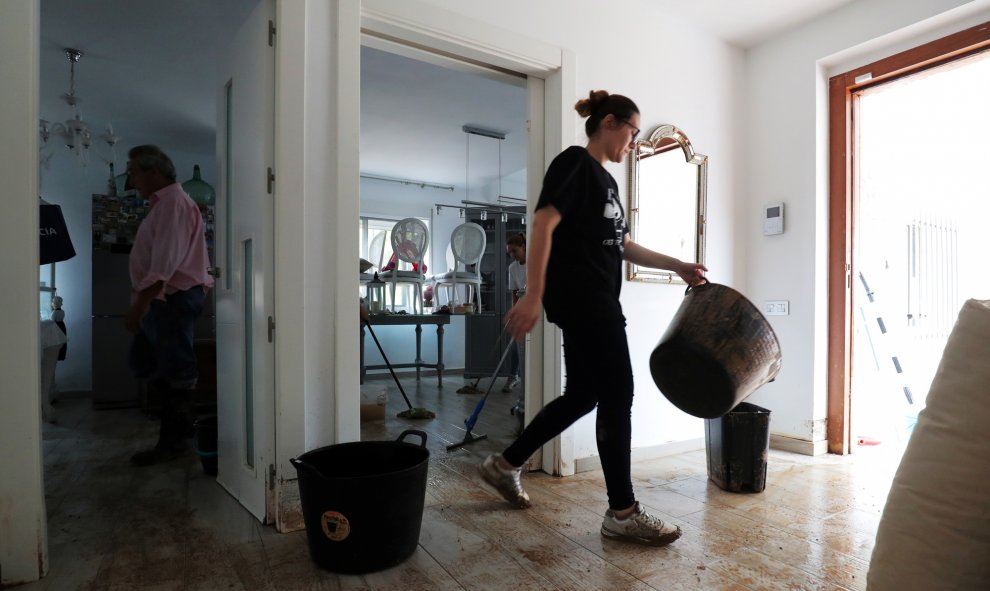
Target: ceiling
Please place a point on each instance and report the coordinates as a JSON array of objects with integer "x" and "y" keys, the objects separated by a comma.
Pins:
[
  {"x": 750, "y": 22},
  {"x": 412, "y": 113},
  {"x": 148, "y": 66},
  {"x": 151, "y": 72}
]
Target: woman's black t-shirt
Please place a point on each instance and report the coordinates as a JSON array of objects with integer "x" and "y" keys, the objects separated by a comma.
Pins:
[{"x": 584, "y": 273}]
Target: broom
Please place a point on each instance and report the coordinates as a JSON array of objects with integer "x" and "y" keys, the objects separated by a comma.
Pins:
[
  {"x": 469, "y": 436},
  {"x": 411, "y": 412}
]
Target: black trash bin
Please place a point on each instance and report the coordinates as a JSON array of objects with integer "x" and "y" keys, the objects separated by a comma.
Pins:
[
  {"x": 362, "y": 502},
  {"x": 205, "y": 443},
  {"x": 737, "y": 445}
]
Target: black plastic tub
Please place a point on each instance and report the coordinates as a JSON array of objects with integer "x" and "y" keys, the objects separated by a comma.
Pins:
[
  {"x": 362, "y": 502},
  {"x": 737, "y": 446}
]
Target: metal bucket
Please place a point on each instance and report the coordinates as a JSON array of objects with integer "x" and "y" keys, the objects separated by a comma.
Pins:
[{"x": 717, "y": 351}]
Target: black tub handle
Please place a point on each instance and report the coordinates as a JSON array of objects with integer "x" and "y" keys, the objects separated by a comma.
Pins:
[
  {"x": 686, "y": 290},
  {"x": 304, "y": 467},
  {"x": 421, "y": 435}
]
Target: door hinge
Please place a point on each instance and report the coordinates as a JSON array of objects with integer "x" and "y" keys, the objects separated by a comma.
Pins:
[
  {"x": 271, "y": 33},
  {"x": 271, "y": 476},
  {"x": 271, "y": 180},
  {"x": 271, "y": 329}
]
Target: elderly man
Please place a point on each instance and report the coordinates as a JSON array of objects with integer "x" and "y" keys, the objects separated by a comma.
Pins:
[{"x": 169, "y": 279}]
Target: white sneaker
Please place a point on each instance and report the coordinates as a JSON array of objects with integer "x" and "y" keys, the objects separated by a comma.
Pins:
[
  {"x": 506, "y": 482},
  {"x": 640, "y": 527},
  {"x": 510, "y": 384}
]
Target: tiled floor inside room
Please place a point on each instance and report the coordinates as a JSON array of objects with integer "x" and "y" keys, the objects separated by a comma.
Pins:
[{"x": 112, "y": 526}]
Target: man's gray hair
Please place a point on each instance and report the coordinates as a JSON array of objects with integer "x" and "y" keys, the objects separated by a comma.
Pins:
[{"x": 149, "y": 157}]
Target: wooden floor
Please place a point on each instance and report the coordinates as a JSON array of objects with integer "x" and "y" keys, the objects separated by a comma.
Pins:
[{"x": 112, "y": 526}]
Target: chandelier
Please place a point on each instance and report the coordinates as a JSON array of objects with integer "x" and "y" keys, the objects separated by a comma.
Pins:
[{"x": 75, "y": 133}]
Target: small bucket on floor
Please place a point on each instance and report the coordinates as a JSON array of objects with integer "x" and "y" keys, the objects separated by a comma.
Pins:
[
  {"x": 362, "y": 502},
  {"x": 205, "y": 443}
]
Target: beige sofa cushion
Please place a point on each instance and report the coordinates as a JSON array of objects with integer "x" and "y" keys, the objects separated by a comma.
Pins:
[{"x": 935, "y": 529}]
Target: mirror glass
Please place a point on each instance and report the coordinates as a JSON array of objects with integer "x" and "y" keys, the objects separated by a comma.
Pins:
[{"x": 667, "y": 195}]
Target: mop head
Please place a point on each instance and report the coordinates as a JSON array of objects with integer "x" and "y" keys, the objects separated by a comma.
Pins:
[
  {"x": 416, "y": 413},
  {"x": 470, "y": 389}
]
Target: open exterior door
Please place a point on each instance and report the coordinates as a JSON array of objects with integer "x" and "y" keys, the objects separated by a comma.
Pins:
[{"x": 245, "y": 257}]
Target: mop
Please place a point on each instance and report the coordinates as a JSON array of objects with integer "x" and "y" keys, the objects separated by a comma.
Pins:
[
  {"x": 411, "y": 412},
  {"x": 473, "y": 388},
  {"x": 471, "y": 420}
]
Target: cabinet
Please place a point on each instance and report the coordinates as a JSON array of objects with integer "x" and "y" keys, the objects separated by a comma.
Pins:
[{"x": 484, "y": 341}]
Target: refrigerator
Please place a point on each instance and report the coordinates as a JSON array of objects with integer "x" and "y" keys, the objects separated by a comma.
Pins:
[
  {"x": 114, "y": 386},
  {"x": 115, "y": 220}
]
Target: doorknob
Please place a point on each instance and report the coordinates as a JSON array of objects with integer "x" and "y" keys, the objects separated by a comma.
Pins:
[{"x": 215, "y": 271}]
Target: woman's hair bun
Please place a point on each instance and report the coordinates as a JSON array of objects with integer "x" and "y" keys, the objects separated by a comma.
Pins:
[{"x": 585, "y": 107}]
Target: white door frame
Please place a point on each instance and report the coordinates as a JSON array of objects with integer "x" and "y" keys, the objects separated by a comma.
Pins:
[
  {"x": 23, "y": 535},
  {"x": 317, "y": 171}
]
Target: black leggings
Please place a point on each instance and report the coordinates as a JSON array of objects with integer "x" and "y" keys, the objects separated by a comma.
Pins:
[{"x": 598, "y": 373}]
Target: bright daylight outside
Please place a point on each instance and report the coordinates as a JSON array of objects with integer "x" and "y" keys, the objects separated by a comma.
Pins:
[{"x": 921, "y": 242}]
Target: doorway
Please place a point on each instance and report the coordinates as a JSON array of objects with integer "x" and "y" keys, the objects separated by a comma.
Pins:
[
  {"x": 159, "y": 88},
  {"x": 444, "y": 142},
  {"x": 919, "y": 236},
  {"x": 904, "y": 229}
]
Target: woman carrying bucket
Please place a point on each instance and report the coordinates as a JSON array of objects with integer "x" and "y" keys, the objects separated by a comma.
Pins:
[{"x": 578, "y": 240}]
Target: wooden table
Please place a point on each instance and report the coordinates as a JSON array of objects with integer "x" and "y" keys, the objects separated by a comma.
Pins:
[{"x": 417, "y": 320}]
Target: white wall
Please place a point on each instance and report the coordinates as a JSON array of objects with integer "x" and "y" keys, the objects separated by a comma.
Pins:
[
  {"x": 784, "y": 154},
  {"x": 23, "y": 540},
  {"x": 71, "y": 186},
  {"x": 687, "y": 78}
]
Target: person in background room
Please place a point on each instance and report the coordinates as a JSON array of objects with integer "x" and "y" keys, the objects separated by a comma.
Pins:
[
  {"x": 515, "y": 245},
  {"x": 169, "y": 282},
  {"x": 578, "y": 240}
]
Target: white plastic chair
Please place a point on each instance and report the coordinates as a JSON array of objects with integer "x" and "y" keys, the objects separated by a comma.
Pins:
[
  {"x": 467, "y": 242},
  {"x": 410, "y": 238}
]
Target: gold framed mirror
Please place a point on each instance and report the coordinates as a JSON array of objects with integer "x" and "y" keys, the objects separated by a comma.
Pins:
[{"x": 668, "y": 183}]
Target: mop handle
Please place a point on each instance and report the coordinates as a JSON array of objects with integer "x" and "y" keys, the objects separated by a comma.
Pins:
[
  {"x": 389, "y": 365},
  {"x": 470, "y": 421}
]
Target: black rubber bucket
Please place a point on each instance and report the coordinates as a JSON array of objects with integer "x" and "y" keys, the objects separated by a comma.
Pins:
[
  {"x": 737, "y": 446},
  {"x": 362, "y": 502},
  {"x": 717, "y": 351},
  {"x": 205, "y": 443}
]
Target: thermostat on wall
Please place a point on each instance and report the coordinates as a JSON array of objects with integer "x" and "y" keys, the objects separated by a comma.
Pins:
[{"x": 773, "y": 219}]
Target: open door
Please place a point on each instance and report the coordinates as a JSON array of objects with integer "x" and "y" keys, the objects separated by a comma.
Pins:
[{"x": 245, "y": 257}]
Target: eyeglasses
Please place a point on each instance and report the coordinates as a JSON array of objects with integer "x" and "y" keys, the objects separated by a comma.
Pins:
[{"x": 635, "y": 129}]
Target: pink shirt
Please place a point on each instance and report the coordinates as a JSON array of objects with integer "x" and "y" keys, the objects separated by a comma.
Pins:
[{"x": 170, "y": 245}]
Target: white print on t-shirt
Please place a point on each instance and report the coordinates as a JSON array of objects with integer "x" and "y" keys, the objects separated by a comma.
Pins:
[{"x": 613, "y": 211}]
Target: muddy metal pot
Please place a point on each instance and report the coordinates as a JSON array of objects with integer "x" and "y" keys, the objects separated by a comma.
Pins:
[{"x": 717, "y": 351}]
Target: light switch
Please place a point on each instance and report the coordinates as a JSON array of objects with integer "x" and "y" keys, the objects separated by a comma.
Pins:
[{"x": 777, "y": 307}]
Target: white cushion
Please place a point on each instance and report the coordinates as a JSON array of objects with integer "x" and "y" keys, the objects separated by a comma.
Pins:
[
  {"x": 935, "y": 529},
  {"x": 402, "y": 275},
  {"x": 464, "y": 276}
]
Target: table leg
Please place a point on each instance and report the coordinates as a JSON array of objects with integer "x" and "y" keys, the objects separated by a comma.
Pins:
[
  {"x": 363, "y": 371},
  {"x": 419, "y": 356},
  {"x": 440, "y": 356}
]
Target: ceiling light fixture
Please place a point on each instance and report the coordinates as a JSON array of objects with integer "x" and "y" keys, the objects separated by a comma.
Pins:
[
  {"x": 470, "y": 130},
  {"x": 74, "y": 132}
]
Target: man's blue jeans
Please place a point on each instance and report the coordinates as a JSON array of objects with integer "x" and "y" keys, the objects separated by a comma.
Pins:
[{"x": 163, "y": 349}]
